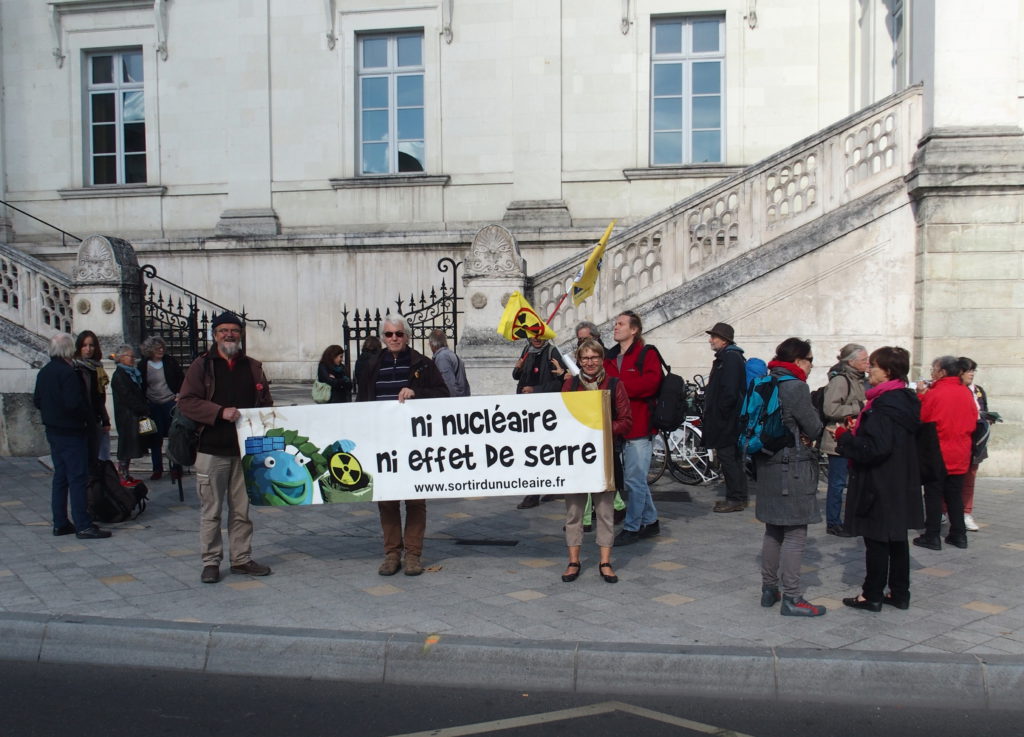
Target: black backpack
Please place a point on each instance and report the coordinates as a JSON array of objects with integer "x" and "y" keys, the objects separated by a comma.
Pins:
[
  {"x": 182, "y": 439},
  {"x": 111, "y": 501},
  {"x": 669, "y": 407},
  {"x": 818, "y": 396}
]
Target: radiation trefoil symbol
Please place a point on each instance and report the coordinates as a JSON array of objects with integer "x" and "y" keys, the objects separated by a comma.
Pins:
[{"x": 527, "y": 324}]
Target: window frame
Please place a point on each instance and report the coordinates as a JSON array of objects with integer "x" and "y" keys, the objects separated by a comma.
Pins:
[
  {"x": 118, "y": 87},
  {"x": 686, "y": 58},
  {"x": 392, "y": 72}
]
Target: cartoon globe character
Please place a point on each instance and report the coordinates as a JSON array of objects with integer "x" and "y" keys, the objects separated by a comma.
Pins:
[{"x": 274, "y": 477}]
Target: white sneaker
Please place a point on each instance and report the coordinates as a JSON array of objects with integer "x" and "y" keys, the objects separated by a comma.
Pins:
[{"x": 970, "y": 524}]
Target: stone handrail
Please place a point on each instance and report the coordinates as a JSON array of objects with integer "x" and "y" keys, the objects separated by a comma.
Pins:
[
  {"x": 34, "y": 295},
  {"x": 787, "y": 190}
]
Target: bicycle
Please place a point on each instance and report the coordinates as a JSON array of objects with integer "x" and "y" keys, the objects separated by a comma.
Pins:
[{"x": 681, "y": 451}]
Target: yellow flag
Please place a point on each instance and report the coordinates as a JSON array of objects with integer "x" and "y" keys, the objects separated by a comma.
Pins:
[
  {"x": 521, "y": 321},
  {"x": 586, "y": 278}
]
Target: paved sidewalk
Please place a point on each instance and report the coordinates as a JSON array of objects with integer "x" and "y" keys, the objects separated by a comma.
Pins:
[{"x": 684, "y": 616}]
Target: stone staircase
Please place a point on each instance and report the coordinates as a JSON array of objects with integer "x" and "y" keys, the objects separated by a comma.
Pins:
[{"x": 740, "y": 229}]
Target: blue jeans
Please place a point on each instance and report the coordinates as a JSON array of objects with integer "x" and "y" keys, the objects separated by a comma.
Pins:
[
  {"x": 838, "y": 472},
  {"x": 636, "y": 462},
  {"x": 70, "y": 455}
]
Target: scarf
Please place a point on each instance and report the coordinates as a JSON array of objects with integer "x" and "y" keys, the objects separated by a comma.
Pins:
[
  {"x": 534, "y": 350},
  {"x": 790, "y": 367},
  {"x": 132, "y": 371},
  {"x": 592, "y": 382},
  {"x": 873, "y": 393}
]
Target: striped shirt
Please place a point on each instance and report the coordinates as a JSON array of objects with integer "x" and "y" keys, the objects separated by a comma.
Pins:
[{"x": 393, "y": 374}]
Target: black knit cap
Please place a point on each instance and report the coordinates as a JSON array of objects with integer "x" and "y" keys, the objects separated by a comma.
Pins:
[{"x": 226, "y": 318}]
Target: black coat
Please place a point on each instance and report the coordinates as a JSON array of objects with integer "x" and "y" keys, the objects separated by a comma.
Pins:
[
  {"x": 723, "y": 398},
  {"x": 129, "y": 406},
  {"x": 884, "y": 496},
  {"x": 543, "y": 379},
  {"x": 60, "y": 396},
  {"x": 337, "y": 378}
]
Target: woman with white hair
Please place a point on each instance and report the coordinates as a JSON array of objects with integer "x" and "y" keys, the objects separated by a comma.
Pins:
[
  {"x": 161, "y": 380},
  {"x": 130, "y": 406},
  {"x": 844, "y": 399}
]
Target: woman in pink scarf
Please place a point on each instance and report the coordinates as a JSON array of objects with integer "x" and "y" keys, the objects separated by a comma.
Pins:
[{"x": 884, "y": 496}]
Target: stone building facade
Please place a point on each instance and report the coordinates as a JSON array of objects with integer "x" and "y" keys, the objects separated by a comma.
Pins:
[{"x": 299, "y": 156}]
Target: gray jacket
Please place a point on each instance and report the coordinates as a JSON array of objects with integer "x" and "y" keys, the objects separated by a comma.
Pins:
[
  {"x": 844, "y": 396},
  {"x": 787, "y": 482},
  {"x": 453, "y": 370}
]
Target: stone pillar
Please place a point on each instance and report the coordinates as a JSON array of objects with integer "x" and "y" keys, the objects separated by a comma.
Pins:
[
  {"x": 107, "y": 294},
  {"x": 494, "y": 269},
  {"x": 968, "y": 191},
  {"x": 246, "y": 69},
  {"x": 537, "y": 119}
]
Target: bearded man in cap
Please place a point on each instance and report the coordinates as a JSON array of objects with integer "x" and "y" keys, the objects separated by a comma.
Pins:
[
  {"x": 723, "y": 397},
  {"x": 217, "y": 385}
]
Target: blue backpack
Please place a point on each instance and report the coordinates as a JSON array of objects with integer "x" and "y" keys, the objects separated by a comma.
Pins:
[
  {"x": 761, "y": 426},
  {"x": 756, "y": 369}
]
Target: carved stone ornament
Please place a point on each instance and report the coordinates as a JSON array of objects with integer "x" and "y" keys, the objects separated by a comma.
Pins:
[
  {"x": 83, "y": 307},
  {"x": 95, "y": 260},
  {"x": 478, "y": 300},
  {"x": 494, "y": 252},
  {"x": 108, "y": 305}
]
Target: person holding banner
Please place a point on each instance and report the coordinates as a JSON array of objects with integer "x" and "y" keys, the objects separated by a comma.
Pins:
[
  {"x": 539, "y": 369},
  {"x": 593, "y": 377},
  {"x": 216, "y": 385},
  {"x": 401, "y": 373},
  {"x": 640, "y": 371}
]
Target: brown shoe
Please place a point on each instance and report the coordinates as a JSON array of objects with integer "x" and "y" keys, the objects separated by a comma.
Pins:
[
  {"x": 252, "y": 568},
  {"x": 211, "y": 574},
  {"x": 390, "y": 565},
  {"x": 727, "y": 506},
  {"x": 413, "y": 567}
]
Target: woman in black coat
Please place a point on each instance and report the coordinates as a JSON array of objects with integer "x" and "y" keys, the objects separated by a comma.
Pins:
[
  {"x": 129, "y": 407},
  {"x": 884, "y": 496},
  {"x": 331, "y": 370}
]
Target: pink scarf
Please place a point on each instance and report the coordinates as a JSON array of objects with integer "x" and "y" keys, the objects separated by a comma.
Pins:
[{"x": 873, "y": 393}]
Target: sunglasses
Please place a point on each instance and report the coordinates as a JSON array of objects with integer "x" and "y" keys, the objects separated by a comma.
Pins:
[{"x": 395, "y": 334}]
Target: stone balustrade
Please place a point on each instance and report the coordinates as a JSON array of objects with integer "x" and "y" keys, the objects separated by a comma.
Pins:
[
  {"x": 33, "y": 295},
  {"x": 741, "y": 213}
]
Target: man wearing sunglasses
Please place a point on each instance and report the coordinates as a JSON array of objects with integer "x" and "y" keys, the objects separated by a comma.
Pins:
[{"x": 401, "y": 373}]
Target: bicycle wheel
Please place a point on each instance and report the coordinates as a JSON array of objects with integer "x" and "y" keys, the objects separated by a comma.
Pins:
[
  {"x": 690, "y": 463},
  {"x": 659, "y": 458}
]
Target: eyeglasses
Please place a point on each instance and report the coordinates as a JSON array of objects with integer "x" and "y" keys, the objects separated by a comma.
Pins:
[
  {"x": 588, "y": 359},
  {"x": 394, "y": 334},
  {"x": 809, "y": 359},
  {"x": 228, "y": 331}
]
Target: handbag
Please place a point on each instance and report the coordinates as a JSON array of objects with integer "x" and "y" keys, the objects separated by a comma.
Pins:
[
  {"x": 146, "y": 426},
  {"x": 321, "y": 392}
]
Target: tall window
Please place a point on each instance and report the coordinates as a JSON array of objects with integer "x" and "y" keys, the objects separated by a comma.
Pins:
[
  {"x": 687, "y": 83},
  {"x": 391, "y": 103},
  {"x": 116, "y": 117}
]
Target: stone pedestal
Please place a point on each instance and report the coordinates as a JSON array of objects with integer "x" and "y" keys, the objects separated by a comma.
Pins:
[
  {"x": 494, "y": 268},
  {"x": 968, "y": 192},
  {"x": 107, "y": 295}
]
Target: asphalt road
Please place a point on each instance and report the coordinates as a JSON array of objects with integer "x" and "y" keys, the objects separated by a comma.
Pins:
[{"x": 45, "y": 700}]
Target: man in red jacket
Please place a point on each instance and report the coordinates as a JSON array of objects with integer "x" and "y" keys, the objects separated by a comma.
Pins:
[
  {"x": 642, "y": 381},
  {"x": 950, "y": 405}
]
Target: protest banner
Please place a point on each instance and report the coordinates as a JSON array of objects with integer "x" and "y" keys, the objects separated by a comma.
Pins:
[{"x": 558, "y": 443}]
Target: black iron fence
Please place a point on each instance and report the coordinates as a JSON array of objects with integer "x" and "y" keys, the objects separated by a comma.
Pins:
[
  {"x": 438, "y": 310},
  {"x": 182, "y": 318}
]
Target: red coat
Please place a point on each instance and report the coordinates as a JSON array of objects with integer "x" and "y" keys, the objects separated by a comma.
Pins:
[
  {"x": 622, "y": 415},
  {"x": 642, "y": 384},
  {"x": 950, "y": 405}
]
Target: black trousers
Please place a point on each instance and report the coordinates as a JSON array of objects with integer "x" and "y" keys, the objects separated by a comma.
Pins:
[
  {"x": 948, "y": 489},
  {"x": 887, "y": 562},
  {"x": 731, "y": 461}
]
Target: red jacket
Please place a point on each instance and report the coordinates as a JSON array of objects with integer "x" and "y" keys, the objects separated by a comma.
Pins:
[
  {"x": 622, "y": 414},
  {"x": 950, "y": 405},
  {"x": 642, "y": 384}
]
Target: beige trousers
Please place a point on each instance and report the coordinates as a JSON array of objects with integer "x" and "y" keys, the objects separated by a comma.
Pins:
[{"x": 220, "y": 479}]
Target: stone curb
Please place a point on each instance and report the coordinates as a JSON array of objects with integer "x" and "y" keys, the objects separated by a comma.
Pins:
[{"x": 879, "y": 678}]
